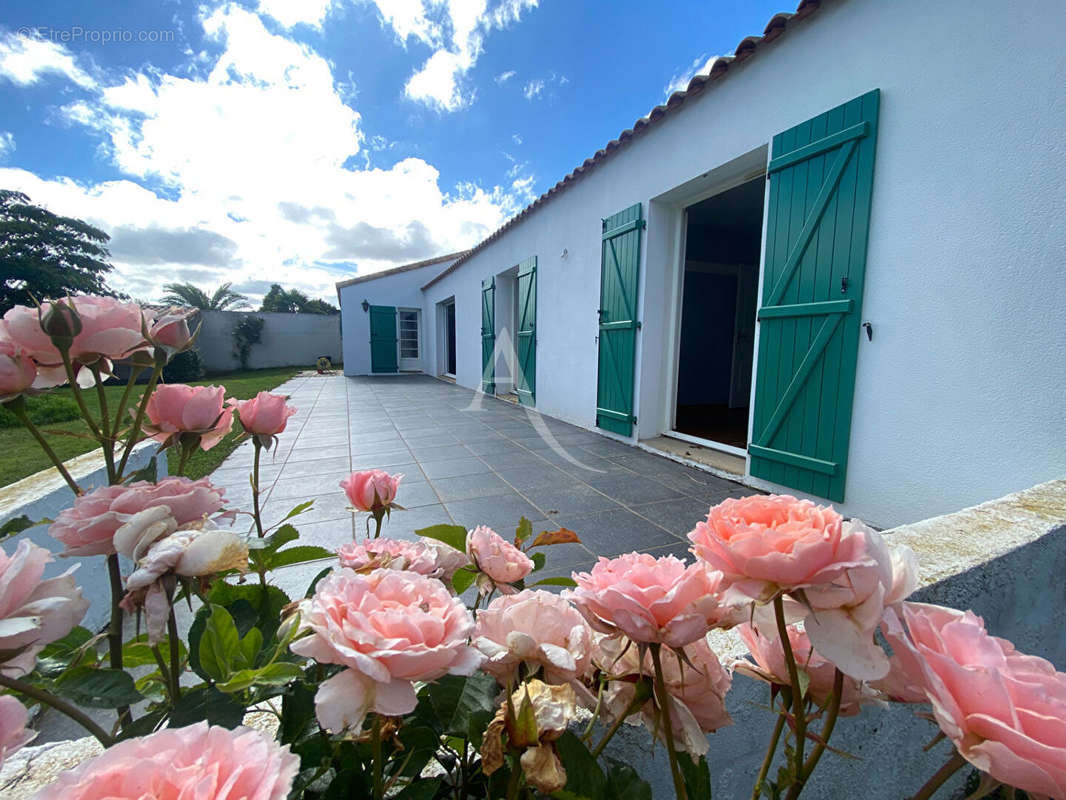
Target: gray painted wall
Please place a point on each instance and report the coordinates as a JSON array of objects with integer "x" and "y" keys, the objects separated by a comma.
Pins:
[{"x": 288, "y": 339}]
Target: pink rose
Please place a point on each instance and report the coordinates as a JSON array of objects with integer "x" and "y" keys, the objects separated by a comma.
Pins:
[
  {"x": 696, "y": 689},
  {"x": 770, "y": 666},
  {"x": 33, "y": 612},
  {"x": 843, "y": 616},
  {"x": 425, "y": 556},
  {"x": 175, "y": 409},
  {"x": 497, "y": 558},
  {"x": 535, "y": 628},
  {"x": 17, "y": 371},
  {"x": 110, "y": 330},
  {"x": 767, "y": 544},
  {"x": 1005, "y": 711},
  {"x": 389, "y": 628},
  {"x": 13, "y": 731},
  {"x": 265, "y": 414},
  {"x": 88, "y": 527},
  {"x": 208, "y": 763},
  {"x": 371, "y": 489},
  {"x": 171, "y": 330},
  {"x": 650, "y": 599}
]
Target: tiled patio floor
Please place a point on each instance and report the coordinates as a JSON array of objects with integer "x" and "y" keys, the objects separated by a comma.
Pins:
[{"x": 467, "y": 460}]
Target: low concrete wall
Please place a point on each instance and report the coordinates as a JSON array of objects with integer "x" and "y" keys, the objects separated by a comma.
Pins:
[
  {"x": 288, "y": 339},
  {"x": 1003, "y": 559},
  {"x": 44, "y": 494}
]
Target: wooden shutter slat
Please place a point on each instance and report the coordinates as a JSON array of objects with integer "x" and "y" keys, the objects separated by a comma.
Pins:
[
  {"x": 526, "y": 335},
  {"x": 488, "y": 336}
]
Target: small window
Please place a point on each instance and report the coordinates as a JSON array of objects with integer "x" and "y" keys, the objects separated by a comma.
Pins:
[{"x": 408, "y": 334}]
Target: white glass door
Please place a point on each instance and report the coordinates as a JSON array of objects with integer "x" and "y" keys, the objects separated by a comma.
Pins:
[{"x": 409, "y": 339}]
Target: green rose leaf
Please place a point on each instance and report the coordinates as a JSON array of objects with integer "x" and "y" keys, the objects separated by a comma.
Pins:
[
  {"x": 98, "y": 688},
  {"x": 451, "y": 535}
]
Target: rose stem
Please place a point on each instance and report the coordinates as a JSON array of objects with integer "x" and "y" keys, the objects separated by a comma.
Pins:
[
  {"x": 515, "y": 780},
  {"x": 798, "y": 710},
  {"x": 255, "y": 487},
  {"x": 114, "y": 633},
  {"x": 827, "y": 729},
  {"x": 379, "y": 791},
  {"x": 59, "y": 705},
  {"x": 107, "y": 440},
  {"x": 770, "y": 751},
  {"x": 159, "y": 662},
  {"x": 668, "y": 728},
  {"x": 134, "y": 373},
  {"x": 635, "y": 704},
  {"x": 72, "y": 379},
  {"x": 175, "y": 664},
  {"x": 18, "y": 408},
  {"x": 952, "y": 766},
  {"x": 139, "y": 418}
]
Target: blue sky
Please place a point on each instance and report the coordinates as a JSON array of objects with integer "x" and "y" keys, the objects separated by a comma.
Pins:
[{"x": 304, "y": 141}]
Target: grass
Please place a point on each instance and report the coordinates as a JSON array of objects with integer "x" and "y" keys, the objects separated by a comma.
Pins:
[{"x": 21, "y": 456}]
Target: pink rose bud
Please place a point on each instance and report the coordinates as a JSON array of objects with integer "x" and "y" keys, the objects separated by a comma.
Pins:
[
  {"x": 767, "y": 544},
  {"x": 497, "y": 558},
  {"x": 651, "y": 599},
  {"x": 265, "y": 414},
  {"x": 61, "y": 323},
  {"x": 1002, "y": 709},
  {"x": 13, "y": 731},
  {"x": 175, "y": 409},
  {"x": 371, "y": 489},
  {"x": 17, "y": 371},
  {"x": 171, "y": 330},
  {"x": 33, "y": 612},
  {"x": 206, "y": 762}
]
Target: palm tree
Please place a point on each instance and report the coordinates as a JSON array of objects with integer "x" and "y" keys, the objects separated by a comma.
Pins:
[{"x": 186, "y": 294}]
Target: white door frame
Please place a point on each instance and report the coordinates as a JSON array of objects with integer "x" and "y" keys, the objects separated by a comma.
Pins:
[
  {"x": 732, "y": 175},
  {"x": 442, "y": 338},
  {"x": 409, "y": 364}
]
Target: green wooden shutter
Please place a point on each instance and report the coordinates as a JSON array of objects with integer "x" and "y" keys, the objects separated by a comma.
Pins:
[
  {"x": 383, "y": 339},
  {"x": 821, "y": 182},
  {"x": 488, "y": 335},
  {"x": 526, "y": 335},
  {"x": 619, "y": 276}
]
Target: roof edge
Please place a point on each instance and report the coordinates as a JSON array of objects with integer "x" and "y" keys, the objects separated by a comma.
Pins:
[{"x": 405, "y": 268}]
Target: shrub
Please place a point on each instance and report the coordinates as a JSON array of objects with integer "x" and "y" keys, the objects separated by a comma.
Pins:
[
  {"x": 45, "y": 410},
  {"x": 247, "y": 332},
  {"x": 184, "y": 367}
]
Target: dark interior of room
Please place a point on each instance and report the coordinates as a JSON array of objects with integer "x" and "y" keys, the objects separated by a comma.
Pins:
[{"x": 718, "y": 314}]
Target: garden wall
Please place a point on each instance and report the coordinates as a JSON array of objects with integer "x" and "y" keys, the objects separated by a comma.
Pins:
[
  {"x": 1003, "y": 559},
  {"x": 288, "y": 340},
  {"x": 44, "y": 494}
]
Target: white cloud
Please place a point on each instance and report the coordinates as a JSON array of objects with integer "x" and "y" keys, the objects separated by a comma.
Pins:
[
  {"x": 293, "y": 12},
  {"x": 456, "y": 30},
  {"x": 679, "y": 82},
  {"x": 25, "y": 59},
  {"x": 516, "y": 138},
  {"x": 533, "y": 89},
  {"x": 503, "y": 77},
  {"x": 253, "y": 153},
  {"x": 7, "y": 145}
]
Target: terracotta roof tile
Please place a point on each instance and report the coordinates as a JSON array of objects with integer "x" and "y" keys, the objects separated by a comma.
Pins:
[{"x": 743, "y": 51}]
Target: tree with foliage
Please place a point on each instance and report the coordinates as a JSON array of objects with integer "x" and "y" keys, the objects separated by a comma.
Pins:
[
  {"x": 44, "y": 256},
  {"x": 293, "y": 301},
  {"x": 186, "y": 294}
]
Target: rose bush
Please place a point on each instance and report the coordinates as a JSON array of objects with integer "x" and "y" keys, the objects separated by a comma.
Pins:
[{"x": 385, "y": 684}]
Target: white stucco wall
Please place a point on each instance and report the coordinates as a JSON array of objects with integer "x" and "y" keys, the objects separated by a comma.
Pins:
[
  {"x": 400, "y": 289},
  {"x": 287, "y": 340},
  {"x": 959, "y": 395}
]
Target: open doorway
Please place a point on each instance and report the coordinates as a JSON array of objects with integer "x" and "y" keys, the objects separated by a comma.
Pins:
[
  {"x": 718, "y": 307},
  {"x": 446, "y": 315}
]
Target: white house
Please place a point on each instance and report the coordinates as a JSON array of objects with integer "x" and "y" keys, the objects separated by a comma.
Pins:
[{"x": 840, "y": 257}]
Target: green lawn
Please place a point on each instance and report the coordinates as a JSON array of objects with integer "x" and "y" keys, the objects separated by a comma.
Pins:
[{"x": 20, "y": 455}]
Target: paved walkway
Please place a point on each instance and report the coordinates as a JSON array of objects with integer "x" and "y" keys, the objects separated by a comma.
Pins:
[{"x": 468, "y": 460}]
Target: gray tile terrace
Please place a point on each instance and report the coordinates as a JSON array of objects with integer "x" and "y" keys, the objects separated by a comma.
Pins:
[{"x": 468, "y": 460}]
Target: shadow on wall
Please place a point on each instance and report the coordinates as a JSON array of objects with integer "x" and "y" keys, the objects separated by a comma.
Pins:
[{"x": 285, "y": 340}]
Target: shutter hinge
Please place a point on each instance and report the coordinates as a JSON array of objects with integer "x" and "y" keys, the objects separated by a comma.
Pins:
[{"x": 639, "y": 325}]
